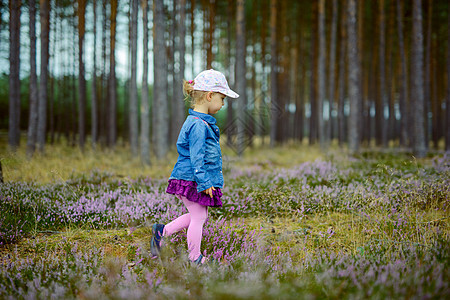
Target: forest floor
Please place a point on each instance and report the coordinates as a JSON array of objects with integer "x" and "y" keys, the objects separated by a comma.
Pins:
[{"x": 296, "y": 223}]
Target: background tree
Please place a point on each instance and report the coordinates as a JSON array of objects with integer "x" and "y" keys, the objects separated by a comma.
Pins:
[
  {"x": 321, "y": 73},
  {"x": 381, "y": 89},
  {"x": 160, "y": 103},
  {"x": 33, "y": 115},
  {"x": 178, "y": 110},
  {"x": 43, "y": 78},
  {"x": 403, "y": 95},
  {"x": 94, "y": 99},
  {"x": 273, "y": 73},
  {"x": 342, "y": 75},
  {"x": 240, "y": 74},
  {"x": 14, "y": 70},
  {"x": 282, "y": 96},
  {"x": 353, "y": 80},
  {"x": 145, "y": 105},
  {"x": 112, "y": 103},
  {"x": 81, "y": 79},
  {"x": 134, "y": 120},
  {"x": 417, "y": 82},
  {"x": 447, "y": 104},
  {"x": 332, "y": 68}
]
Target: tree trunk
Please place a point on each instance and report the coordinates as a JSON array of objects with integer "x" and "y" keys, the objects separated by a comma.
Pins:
[
  {"x": 427, "y": 70},
  {"x": 192, "y": 13},
  {"x": 313, "y": 121},
  {"x": 112, "y": 103},
  {"x": 447, "y": 104},
  {"x": 14, "y": 70},
  {"x": 42, "y": 106},
  {"x": 354, "y": 77},
  {"x": 211, "y": 27},
  {"x": 33, "y": 117},
  {"x": 180, "y": 48},
  {"x": 94, "y": 104},
  {"x": 81, "y": 79},
  {"x": 341, "y": 77},
  {"x": 103, "y": 99},
  {"x": 273, "y": 73},
  {"x": 391, "y": 82},
  {"x": 230, "y": 113},
  {"x": 332, "y": 68},
  {"x": 420, "y": 144},
  {"x": 321, "y": 74},
  {"x": 403, "y": 95},
  {"x": 133, "y": 104},
  {"x": 160, "y": 104},
  {"x": 145, "y": 105},
  {"x": 240, "y": 74},
  {"x": 381, "y": 101}
]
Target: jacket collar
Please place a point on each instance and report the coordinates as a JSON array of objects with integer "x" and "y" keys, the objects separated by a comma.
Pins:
[{"x": 205, "y": 117}]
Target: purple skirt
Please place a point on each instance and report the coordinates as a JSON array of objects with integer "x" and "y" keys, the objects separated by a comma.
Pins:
[{"x": 188, "y": 189}]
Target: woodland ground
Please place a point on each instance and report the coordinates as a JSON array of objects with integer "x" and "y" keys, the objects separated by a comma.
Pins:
[{"x": 296, "y": 223}]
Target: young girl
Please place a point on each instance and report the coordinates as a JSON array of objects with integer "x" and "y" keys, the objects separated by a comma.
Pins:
[{"x": 197, "y": 176}]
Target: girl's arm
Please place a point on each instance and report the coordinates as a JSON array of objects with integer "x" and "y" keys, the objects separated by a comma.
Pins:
[{"x": 197, "y": 150}]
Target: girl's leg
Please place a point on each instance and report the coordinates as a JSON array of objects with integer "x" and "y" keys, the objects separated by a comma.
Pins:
[
  {"x": 176, "y": 225},
  {"x": 198, "y": 214}
]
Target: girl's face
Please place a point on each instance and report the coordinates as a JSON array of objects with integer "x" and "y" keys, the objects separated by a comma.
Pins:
[{"x": 216, "y": 103}]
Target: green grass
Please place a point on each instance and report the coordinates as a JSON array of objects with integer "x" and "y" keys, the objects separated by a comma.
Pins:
[{"x": 314, "y": 231}]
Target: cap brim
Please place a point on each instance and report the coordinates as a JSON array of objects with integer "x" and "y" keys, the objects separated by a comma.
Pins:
[{"x": 231, "y": 94}]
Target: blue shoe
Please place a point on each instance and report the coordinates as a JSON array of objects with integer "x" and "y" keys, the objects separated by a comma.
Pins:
[
  {"x": 208, "y": 262},
  {"x": 198, "y": 261},
  {"x": 155, "y": 243}
]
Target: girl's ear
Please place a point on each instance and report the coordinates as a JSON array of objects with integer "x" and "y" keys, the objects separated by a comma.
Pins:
[{"x": 209, "y": 96}]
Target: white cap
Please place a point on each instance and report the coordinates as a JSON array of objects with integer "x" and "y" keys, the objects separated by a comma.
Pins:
[{"x": 213, "y": 81}]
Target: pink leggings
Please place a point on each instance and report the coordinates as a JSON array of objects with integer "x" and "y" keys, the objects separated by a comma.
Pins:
[{"x": 193, "y": 221}]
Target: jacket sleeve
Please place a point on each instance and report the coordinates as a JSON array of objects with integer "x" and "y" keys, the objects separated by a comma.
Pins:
[{"x": 197, "y": 149}]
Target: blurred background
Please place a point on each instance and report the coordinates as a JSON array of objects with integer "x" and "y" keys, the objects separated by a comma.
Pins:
[{"x": 103, "y": 73}]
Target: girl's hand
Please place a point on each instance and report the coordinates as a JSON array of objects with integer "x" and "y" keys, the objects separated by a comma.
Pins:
[{"x": 209, "y": 191}]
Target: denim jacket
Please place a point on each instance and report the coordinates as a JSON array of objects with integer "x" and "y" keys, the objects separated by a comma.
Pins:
[{"x": 199, "y": 155}]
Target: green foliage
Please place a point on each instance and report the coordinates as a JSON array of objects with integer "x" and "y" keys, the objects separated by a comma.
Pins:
[{"x": 371, "y": 227}]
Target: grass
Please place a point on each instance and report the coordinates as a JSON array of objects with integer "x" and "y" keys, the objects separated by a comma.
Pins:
[{"x": 296, "y": 223}]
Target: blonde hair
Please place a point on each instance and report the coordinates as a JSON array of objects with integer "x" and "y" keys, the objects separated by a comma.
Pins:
[{"x": 192, "y": 96}]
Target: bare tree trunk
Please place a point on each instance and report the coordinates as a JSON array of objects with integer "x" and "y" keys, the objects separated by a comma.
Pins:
[
  {"x": 112, "y": 105},
  {"x": 33, "y": 117},
  {"x": 354, "y": 77},
  {"x": 81, "y": 79},
  {"x": 230, "y": 113},
  {"x": 420, "y": 144},
  {"x": 273, "y": 73},
  {"x": 427, "y": 72},
  {"x": 145, "y": 105},
  {"x": 313, "y": 121},
  {"x": 391, "y": 82},
  {"x": 178, "y": 110},
  {"x": 211, "y": 27},
  {"x": 341, "y": 77},
  {"x": 321, "y": 74},
  {"x": 160, "y": 104},
  {"x": 133, "y": 104},
  {"x": 14, "y": 69},
  {"x": 94, "y": 104},
  {"x": 447, "y": 103},
  {"x": 381, "y": 101},
  {"x": 240, "y": 74},
  {"x": 42, "y": 107},
  {"x": 192, "y": 13},
  {"x": 331, "y": 71},
  {"x": 403, "y": 95},
  {"x": 103, "y": 99}
]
